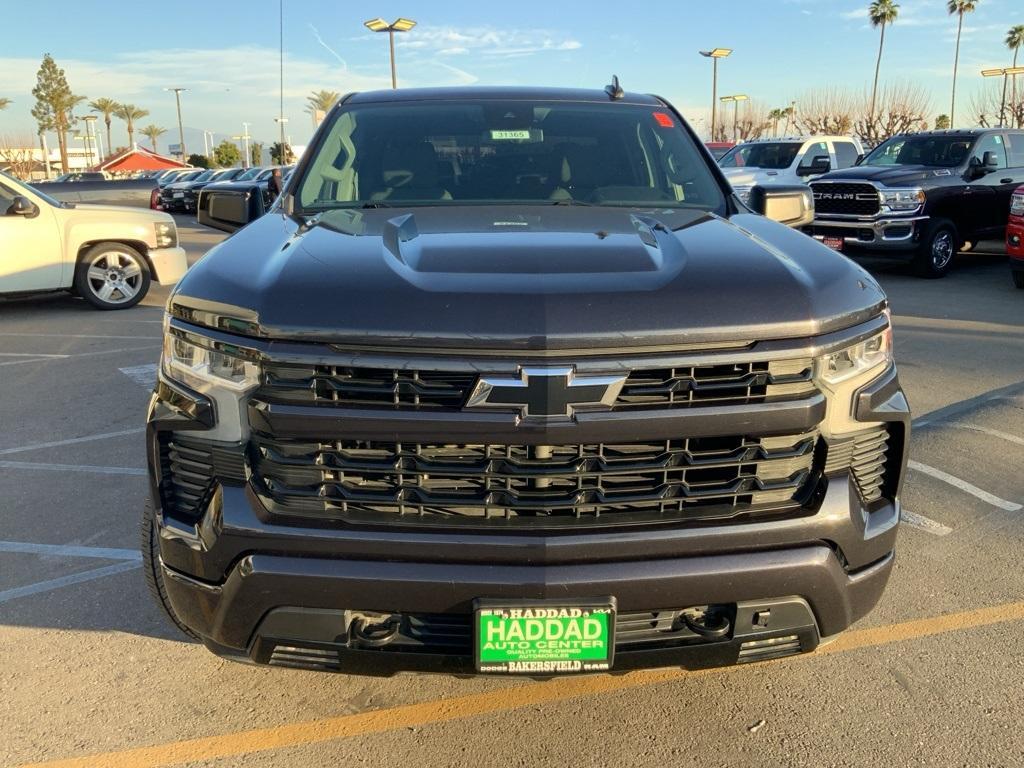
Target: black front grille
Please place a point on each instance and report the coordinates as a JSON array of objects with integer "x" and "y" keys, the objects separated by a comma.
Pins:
[
  {"x": 189, "y": 469},
  {"x": 668, "y": 387},
  {"x": 851, "y": 199},
  {"x": 683, "y": 479},
  {"x": 864, "y": 455}
]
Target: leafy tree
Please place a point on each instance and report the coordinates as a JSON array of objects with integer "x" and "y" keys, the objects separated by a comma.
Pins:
[
  {"x": 153, "y": 132},
  {"x": 4, "y": 103},
  {"x": 54, "y": 102},
  {"x": 199, "y": 161},
  {"x": 255, "y": 153},
  {"x": 226, "y": 154},
  {"x": 107, "y": 108},
  {"x": 958, "y": 8},
  {"x": 941, "y": 122},
  {"x": 277, "y": 157},
  {"x": 321, "y": 101},
  {"x": 880, "y": 13},
  {"x": 1014, "y": 41},
  {"x": 130, "y": 113}
]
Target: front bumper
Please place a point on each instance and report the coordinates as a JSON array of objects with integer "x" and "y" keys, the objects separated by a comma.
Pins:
[
  {"x": 893, "y": 234},
  {"x": 251, "y": 585},
  {"x": 169, "y": 264}
]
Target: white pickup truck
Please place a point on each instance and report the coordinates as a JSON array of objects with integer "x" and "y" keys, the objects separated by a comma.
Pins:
[{"x": 108, "y": 255}]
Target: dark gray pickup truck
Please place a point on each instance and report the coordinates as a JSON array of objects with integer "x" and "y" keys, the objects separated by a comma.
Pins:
[
  {"x": 134, "y": 193},
  {"x": 510, "y": 381}
]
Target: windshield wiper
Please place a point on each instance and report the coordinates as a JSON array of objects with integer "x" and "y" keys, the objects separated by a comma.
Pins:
[
  {"x": 571, "y": 201},
  {"x": 375, "y": 204}
]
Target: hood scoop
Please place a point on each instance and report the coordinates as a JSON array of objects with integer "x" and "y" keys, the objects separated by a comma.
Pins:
[{"x": 645, "y": 246}]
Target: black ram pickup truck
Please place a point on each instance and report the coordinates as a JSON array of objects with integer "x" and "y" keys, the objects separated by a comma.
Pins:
[
  {"x": 509, "y": 381},
  {"x": 922, "y": 196}
]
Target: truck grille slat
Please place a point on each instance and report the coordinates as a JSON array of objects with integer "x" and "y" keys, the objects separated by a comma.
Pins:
[
  {"x": 674, "y": 387},
  {"x": 864, "y": 455},
  {"x": 845, "y": 198},
  {"x": 698, "y": 478}
]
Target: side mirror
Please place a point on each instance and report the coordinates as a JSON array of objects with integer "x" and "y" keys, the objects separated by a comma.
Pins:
[
  {"x": 990, "y": 161},
  {"x": 789, "y": 205},
  {"x": 819, "y": 164},
  {"x": 230, "y": 208},
  {"x": 22, "y": 206}
]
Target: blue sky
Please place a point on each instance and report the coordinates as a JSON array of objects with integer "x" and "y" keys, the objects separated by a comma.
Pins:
[{"x": 227, "y": 52}]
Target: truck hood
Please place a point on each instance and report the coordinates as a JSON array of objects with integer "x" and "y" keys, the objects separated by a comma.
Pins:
[
  {"x": 748, "y": 177},
  {"x": 524, "y": 277},
  {"x": 117, "y": 213},
  {"x": 890, "y": 175}
]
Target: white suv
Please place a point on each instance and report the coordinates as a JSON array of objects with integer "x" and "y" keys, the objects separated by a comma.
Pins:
[{"x": 768, "y": 162}]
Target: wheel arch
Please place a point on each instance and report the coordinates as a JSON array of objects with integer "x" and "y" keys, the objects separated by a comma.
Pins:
[{"x": 139, "y": 245}]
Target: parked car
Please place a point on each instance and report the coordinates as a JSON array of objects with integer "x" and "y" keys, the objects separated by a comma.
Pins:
[
  {"x": 192, "y": 188},
  {"x": 172, "y": 195},
  {"x": 405, "y": 418},
  {"x": 231, "y": 205},
  {"x": 105, "y": 254},
  {"x": 786, "y": 161},
  {"x": 922, "y": 196},
  {"x": 82, "y": 176},
  {"x": 719, "y": 148},
  {"x": 1015, "y": 237},
  {"x": 136, "y": 193},
  {"x": 176, "y": 174}
]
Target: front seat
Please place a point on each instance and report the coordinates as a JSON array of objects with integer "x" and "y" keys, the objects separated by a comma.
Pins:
[{"x": 410, "y": 173}]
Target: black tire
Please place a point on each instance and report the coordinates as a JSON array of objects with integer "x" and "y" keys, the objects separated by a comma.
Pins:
[
  {"x": 1018, "y": 277},
  {"x": 938, "y": 248},
  {"x": 112, "y": 276},
  {"x": 151, "y": 567}
]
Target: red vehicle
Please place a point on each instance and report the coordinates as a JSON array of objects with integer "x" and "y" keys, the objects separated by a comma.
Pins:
[
  {"x": 719, "y": 148},
  {"x": 1015, "y": 237}
]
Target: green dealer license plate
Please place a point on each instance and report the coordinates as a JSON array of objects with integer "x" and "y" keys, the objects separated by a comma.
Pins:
[{"x": 540, "y": 637}]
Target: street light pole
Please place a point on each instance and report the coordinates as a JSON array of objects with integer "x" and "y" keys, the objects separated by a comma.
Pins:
[
  {"x": 181, "y": 129},
  {"x": 1005, "y": 72},
  {"x": 715, "y": 54},
  {"x": 398, "y": 25},
  {"x": 246, "y": 137}
]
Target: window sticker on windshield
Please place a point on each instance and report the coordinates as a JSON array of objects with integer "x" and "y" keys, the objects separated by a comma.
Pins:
[
  {"x": 662, "y": 119},
  {"x": 999, "y": 139},
  {"x": 510, "y": 135}
]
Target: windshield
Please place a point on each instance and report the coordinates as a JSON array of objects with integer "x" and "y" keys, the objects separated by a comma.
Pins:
[
  {"x": 18, "y": 186},
  {"x": 774, "y": 155},
  {"x": 250, "y": 174},
  {"x": 935, "y": 151},
  {"x": 202, "y": 176},
  {"x": 506, "y": 152}
]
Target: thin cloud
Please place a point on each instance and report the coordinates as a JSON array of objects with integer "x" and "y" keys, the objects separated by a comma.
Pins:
[{"x": 334, "y": 53}]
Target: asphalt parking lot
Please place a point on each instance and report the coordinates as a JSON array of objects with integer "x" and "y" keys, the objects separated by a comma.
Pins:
[{"x": 93, "y": 676}]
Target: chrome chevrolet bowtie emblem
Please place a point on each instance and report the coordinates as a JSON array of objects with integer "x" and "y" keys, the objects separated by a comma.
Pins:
[{"x": 545, "y": 392}]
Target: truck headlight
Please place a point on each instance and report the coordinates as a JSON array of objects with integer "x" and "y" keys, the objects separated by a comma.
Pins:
[
  {"x": 860, "y": 358},
  {"x": 902, "y": 199},
  {"x": 166, "y": 234},
  {"x": 205, "y": 368}
]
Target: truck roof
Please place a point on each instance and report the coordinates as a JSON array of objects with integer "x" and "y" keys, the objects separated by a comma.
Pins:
[
  {"x": 509, "y": 93},
  {"x": 965, "y": 132}
]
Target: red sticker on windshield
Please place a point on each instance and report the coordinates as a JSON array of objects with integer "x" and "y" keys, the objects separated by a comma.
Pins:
[{"x": 662, "y": 119}]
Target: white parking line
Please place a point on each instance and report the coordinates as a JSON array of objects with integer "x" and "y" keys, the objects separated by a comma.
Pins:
[
  {"x": 66, "y": 581},
  {"x": 144, "y": 375},
  {"x": 28, "y": 354},
  {"x": 71, "y": 441},
  {"x": 69, "y": 550},
  {"x": 71, "y": 468},
  {"x": 78, "y": 336},
  {"x": 993, "y": 432},
  {"x": 964, "y": 486},
  {"x": 97, "y": 353},
  {"x": 926, "y": 524}
]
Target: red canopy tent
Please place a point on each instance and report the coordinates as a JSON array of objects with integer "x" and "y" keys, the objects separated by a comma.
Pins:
[{"x": 138, "y": 159}]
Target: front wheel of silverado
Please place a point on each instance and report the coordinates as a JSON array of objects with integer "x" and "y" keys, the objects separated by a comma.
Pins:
[
  {"x": 151, "y": 567},
  {"x": 939, "y": 244}
]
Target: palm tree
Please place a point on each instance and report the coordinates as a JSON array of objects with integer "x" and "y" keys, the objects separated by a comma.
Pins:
[
  {"x": 153, "y": 132},
  {"x": 774, "y": 116},
  {"x": 880, "y": 13},
  {"x": 321, "y": 101},
  {"x": 4, "y": 103},
  {"x": 1014, "y": 41},
  {"x": 105, "y": 107},
  {"x": 130, "y": 113},
  {"x": 959, "y": 7}
]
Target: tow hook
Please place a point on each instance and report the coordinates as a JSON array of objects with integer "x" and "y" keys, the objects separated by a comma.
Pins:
[
  {"x": 709, "y": 624},
  {"x": 375, "y": 631}
]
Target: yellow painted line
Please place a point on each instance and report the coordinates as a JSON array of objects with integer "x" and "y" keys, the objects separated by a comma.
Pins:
[{"x": 503, "y": 700}]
